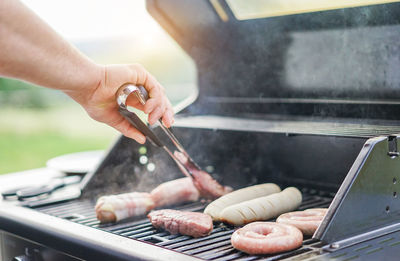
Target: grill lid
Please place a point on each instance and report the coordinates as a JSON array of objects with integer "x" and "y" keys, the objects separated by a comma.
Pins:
[{"x": 340, "y": 63}]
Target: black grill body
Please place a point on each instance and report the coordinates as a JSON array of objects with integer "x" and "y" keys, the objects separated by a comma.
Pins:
[{"x": 307, "y": 100}]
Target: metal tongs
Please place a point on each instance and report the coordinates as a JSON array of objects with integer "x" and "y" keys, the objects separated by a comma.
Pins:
[{"x": 141, "y": 93}]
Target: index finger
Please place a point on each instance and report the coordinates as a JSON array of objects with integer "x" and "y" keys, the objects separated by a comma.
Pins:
[{"x": 155, "y": 90}]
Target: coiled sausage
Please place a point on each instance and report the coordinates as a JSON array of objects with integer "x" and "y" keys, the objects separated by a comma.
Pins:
[
  {"x": 307, "y": 221},
  {"x": 266, "y": 238}
]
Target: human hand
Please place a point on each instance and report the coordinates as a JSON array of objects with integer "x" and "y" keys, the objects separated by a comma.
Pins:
[{"x": 100, "y": 101}]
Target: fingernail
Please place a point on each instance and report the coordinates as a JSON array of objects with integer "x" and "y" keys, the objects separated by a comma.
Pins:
[
  {"x": 166, "y": 123},
  {"x": 141, "y": 139}
]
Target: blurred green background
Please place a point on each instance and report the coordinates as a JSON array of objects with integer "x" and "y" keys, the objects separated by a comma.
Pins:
[{"x": 37, "y": 124}]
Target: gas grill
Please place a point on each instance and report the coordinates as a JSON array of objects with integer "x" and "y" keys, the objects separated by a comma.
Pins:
[{"x": 307, "y": 99}]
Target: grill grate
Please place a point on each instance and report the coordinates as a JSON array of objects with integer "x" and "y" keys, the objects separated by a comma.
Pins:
[{"x": 215, "y": 247}]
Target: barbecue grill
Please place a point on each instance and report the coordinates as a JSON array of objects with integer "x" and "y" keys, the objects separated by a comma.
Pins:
[{"x": 308, "y": 99}]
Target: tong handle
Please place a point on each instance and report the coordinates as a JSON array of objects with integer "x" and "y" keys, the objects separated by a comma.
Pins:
[
  {"x": 123, "y": 93},
  {"x": 142, "y": 95}
]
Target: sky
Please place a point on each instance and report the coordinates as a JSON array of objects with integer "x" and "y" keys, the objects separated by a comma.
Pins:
[
  {"x": 79, "y": 20},
  {"x": 117, "y": 31}
]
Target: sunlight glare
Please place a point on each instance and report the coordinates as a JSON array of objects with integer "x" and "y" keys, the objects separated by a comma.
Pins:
[{"x": 92, "y": 19}]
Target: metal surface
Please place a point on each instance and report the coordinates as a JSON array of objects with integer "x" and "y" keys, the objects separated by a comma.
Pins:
[
  {"x": 261, "y": 9},
  {"x": 317, "y": 126},
  {"x": 319, "y": 162},
  {"x": 19, "y": 248},
  {"x": 367, "y": 199},
  {"x": 290, "y": 65},
  {"x": 80, "y": 241},
  {"x": 385, "y": 247},
  {"x": 141, "y": 94},
  {"x": 362, "y": 237},
  {"x": 122, "y": 95},
  {"x": 216, "y": 246}
]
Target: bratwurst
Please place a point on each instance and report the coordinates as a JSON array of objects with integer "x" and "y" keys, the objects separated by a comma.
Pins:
[
  {"x": 266, "y": 238},
  {"x": 215, "y": 208},
  {"x": 174, "y": 192},
  {"x": 262, "y": 208},
  {"x": 208, "y": 187},
  {"x": 116, "y": 207},
  {"x": 307, "y": 221}
]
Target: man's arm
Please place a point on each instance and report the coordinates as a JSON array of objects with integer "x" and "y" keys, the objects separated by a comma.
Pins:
[
  {"x": 33, "y": 51},
  {"x": 30, "y": 50}
]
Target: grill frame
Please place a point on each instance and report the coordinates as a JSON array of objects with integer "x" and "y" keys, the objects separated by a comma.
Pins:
[
  {"x": 79, "y": 241},
  {"x": 215, "y": 247}
]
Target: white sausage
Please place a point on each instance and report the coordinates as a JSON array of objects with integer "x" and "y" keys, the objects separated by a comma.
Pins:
[
  {"x": 262, "y": 208},
  {"x": 215, "y": 208}
]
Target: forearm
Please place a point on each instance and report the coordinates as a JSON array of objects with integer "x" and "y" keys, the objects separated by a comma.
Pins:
[{"x": 30, "y": 50}]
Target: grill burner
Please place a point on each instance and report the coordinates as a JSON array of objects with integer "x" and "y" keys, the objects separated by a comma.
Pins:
[{"x": 216, "y": 246}]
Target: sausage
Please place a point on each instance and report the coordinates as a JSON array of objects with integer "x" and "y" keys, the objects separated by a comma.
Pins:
[
  {"x": 215, "y": 208},
  {"x": 174, "y": 192},
  {"x": 307, "y": 221},
  {"x": 208, "y": 187},
  {"x": 262, "y": 208},
  {"x": 266, "y": 238},
  {"x": 116, "y": 207}
]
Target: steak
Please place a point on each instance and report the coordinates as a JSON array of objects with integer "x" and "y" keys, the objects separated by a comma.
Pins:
[{"x": 193, "y": 224}]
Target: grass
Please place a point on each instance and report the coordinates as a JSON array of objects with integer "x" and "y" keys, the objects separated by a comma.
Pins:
[
  {"x": 28, "y": 138},
  {"x": 32, "y": 150}
]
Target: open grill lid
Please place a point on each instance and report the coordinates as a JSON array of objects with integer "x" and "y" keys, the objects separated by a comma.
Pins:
[{"x": 332, "y": 63}]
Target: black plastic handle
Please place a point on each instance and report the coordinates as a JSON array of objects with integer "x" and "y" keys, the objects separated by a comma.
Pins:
[
  {"x": 12, "y": 192},
  {"x": 48, "y": 188},
  {"x": 40, "y": 190}
]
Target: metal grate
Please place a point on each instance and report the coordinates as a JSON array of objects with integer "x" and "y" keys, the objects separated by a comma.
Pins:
[{"x": 216, "y": 246}]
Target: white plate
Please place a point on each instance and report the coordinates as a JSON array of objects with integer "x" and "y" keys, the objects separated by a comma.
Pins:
[{"x": 78, "y": 163}]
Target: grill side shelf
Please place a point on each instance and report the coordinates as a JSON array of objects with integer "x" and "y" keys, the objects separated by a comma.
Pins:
[{"x": 367, "y": 199}]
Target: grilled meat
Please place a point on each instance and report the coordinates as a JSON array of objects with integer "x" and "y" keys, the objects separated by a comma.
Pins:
[
  {"x": 116, "y": 207},
  {"x": 307, "y": 221},
  {"x": 262, "y": 208},
  {"x": 175, "y": 192},
  {"x": 208, "y": 187},
  {"x": 215, "y": 208},
  {"x": 182, "y": 222},
  {"x": 266, "y": 238}
]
